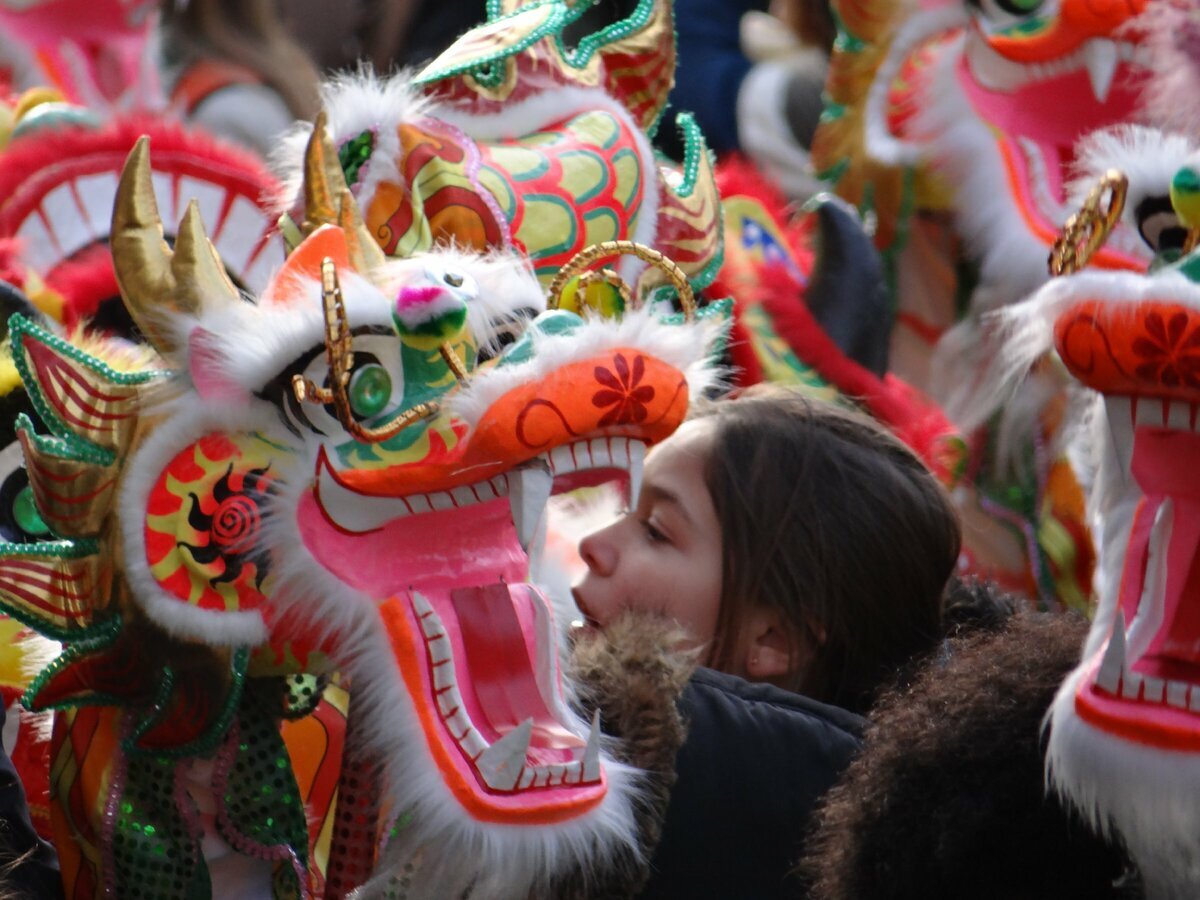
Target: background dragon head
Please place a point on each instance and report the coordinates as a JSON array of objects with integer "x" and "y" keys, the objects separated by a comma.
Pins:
[{"x": 1125, "y": 737}]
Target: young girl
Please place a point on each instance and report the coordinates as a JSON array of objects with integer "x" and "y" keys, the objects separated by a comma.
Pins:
[{"x": 796, "y": 542}]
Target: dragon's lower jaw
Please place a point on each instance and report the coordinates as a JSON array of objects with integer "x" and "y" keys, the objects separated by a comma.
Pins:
[
  {"x": 475, "y": 648},
  {"x": 1143, "y": 685}
]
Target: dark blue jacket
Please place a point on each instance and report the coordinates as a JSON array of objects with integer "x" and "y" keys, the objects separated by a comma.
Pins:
[{"x": 754, "y": 764}]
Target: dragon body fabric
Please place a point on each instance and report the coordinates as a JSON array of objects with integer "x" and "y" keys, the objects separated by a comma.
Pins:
[{"x": 290, "y": 555}]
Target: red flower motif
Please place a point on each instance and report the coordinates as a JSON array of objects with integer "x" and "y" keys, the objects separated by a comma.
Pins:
[
  {"x": 1168, "y": 356},
  {"x": 621, "y": 392}
]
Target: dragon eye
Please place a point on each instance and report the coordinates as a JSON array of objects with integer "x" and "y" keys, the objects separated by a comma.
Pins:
[
  {"x": 1019, "y": 7},
  {"x": 370, "y": 390},
  {"x": 453, "y": 279},
  {"x": 1159, "y": 225},
  {"x": 1002, "y": 15}
]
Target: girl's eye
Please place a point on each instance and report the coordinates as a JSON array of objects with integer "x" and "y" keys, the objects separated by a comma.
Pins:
[{"x": 653, "y": 533}]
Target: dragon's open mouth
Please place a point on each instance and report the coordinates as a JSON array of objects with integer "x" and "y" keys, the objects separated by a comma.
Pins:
[
  {"x": 1144, "y": 684},
  {"x": 475, "y": 643},
  {"x": 1036, "y": 129}
]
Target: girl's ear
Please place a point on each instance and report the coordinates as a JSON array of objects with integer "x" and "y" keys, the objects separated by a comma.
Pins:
[{"x": 770, "y": 652}]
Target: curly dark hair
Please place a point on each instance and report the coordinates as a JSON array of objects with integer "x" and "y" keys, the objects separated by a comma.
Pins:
[{"x": 948, "y": 797}]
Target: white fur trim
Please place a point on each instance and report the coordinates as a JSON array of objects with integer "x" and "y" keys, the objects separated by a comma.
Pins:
[
  {"x": 1148, "y": 157},
  {"x": 141, "y": 471},
  {"x": 764, "y": 132},
  {"x": 1145, "y": 795},
  {"x": 881, "y": 144},
  {"x": 501, "y": 860},
  {"x": 355, "y": 103}
]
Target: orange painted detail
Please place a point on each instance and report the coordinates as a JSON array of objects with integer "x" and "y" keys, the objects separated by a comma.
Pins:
[
  {"x": 1077, "y": 22},
  {"x": 305, "y": 263},
  {"x": 475, "y": 801},
  {"x": 624, "y": 392},
  {"x": 1144, "y": 349}
]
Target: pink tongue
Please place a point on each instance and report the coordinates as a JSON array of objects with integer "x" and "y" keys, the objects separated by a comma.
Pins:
[
  {"x": 499, "y": 670},
  {"x": 1164, "y": 464}
]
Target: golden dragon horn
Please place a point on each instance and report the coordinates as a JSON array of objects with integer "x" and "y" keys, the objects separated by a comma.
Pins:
[
  {"x": 141, "y": 258},
  {"x": 200, "y": 276}
]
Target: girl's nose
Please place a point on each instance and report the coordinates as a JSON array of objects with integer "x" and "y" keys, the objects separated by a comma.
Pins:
[{"x": 598, "y": 552}]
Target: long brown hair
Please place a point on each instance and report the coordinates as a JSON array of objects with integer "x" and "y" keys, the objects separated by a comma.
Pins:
[
  {"x": 248, "y": 33},
  {"x": 830, "y": 520}
]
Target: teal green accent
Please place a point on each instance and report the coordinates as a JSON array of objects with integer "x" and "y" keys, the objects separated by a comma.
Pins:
[
  {"x": 535, "y": 173},
  {"x": 261, "y": 800},
  {"x": 1030, "y": 26},
  {"x": 354, "y": 154},
  {"x": 154, "y": 853},
  {"x": 206, "y": 743},
  {"x": 1190, "y": 266},
  {"x": 604, "y": 213},
  {"x": 77, "y": 450},
  {"x": 1165, "y": 259},
  {"x": 636, "y": 191},
  {"x": 483, "y": 68},
  {"x": 485, "y": 71},
  {"x": 552, "y": 322},
  {"x": 500, "y": 180},
  {"x": 26, "y": 514},
  {"x": 708, "y": 274},
  {"x": 447, "y": 324},
  {"x": 71, "y": 446},
  {"x": 370, "y": 391},
  {"x": 716, "y": 309},
  {"x": 832, "y": 111},
  {"x": 1186, "y": 181},
  {"x": 834, "y": 173},
  {"x": 569, "y": 238},
  {"x": 98, "y": 637},
  {"x": 693, "y": 147},
  {"x": 599, "y": 188},
  {"x": 615, "y": 31},
  {"x": 50, "y": 550}
]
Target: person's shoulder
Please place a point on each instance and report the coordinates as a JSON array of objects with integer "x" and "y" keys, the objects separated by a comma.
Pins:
[{"x": 730, "y": 696}]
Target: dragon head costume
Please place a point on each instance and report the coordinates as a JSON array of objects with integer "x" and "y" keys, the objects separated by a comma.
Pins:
[
  {"x": 347, "y": 475},
  {"x": 512, "y": 140},
  {"x": 1124, "y": 733}
]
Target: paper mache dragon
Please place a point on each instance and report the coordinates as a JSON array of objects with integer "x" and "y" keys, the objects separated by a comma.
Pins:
[
  {"x": 954, "y": 125},
  {"x": 288, "y": 558},
  {"x": 1124, "y": 732}
]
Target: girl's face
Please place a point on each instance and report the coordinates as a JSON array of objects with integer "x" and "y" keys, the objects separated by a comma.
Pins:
[{"x": 663, "y": 556}]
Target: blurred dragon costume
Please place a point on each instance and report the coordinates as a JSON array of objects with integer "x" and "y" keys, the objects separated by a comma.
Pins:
[
  {"x": 345, "y": 479},
  {"x": 510, "y": 140},
  {"x": 954, "y": 125},
  {"x": 100, "y": 54},
  {"x": 1124, "y": 733},
  {"x": 59, "y": 167}
]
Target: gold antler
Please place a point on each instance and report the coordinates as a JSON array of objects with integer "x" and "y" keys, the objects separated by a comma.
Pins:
[
  {"x": 1086, "y": 231},
  {"x": 588, "y": 256},
  {"x": 150, "y": 276},
  {"x": 339, "y": 355},
  {"x": 328, "y": 201}
]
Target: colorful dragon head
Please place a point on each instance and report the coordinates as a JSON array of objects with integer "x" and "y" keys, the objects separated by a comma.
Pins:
[
  {"x": 59, "y": 167},
  {"x": 1125, "y": 737},
  {"x": 985, "y": 100},
  {"x": 99, "y": 54},
  {"x": 511, "y": 140},
  {"x": 348, "y": 475}
]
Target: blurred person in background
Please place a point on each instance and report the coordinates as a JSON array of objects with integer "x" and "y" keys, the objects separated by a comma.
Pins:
[{"x": 233, "y": 69}]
